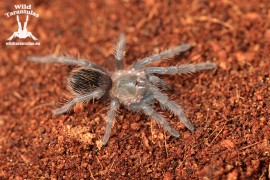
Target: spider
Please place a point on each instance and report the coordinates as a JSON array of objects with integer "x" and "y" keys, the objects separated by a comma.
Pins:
[{"x": 136, "y": 88}]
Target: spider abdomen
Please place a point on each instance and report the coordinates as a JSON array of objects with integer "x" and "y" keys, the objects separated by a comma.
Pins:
[{"x": 86, "y": 80}]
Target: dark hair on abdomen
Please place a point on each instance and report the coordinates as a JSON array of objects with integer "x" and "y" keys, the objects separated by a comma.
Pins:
[{"x": 85, "y": 80}]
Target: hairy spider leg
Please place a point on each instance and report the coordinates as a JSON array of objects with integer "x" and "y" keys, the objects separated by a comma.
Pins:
[
  {"x": 120, "y": 48},
  {"x": 148, "y": 98},
  {"x": 149, "y": 111},
  {"x": 182, "y": 69},
  {"x": 110, "y": 117},
  {"x": 86, "y": 97},
  {"x": 61, "y": 59},
  {"x": 162, "y": 55},
  {"x": 67, "y": 61},
  {"x": 170, "y": 105},
  {"x": 158, "y": 82}
]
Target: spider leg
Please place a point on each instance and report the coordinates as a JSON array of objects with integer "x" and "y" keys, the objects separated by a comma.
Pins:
[
  {"x": 183, "y": 69},
  {"x": 175, "y": 108},
  {"x": 120, "y": 52},
  {"x": 159, "y": 82},
  {"x": 149, "y": 111},
  {"x": 61, "y": 59},
  {"x": 93, "y": 95},
  {"x": 110, "y": 117},
  {"x": 163, "y": 55}
]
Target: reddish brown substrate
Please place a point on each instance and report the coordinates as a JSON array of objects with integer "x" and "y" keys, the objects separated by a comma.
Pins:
[{"x": 229, "y": 106}]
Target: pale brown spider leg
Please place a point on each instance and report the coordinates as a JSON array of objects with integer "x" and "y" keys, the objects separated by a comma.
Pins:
[
  {"x": 159, "y": 82},
  {"x": 119, "y": 54},
  {"x": 93, "y": 95},
  {"x": 149, "y": 111},
  {"x": 182, "y": 69},
  {"x": 110, "y": 117},
  {"x": 162, "y": 55},
  {"x": 170, "y": 105},
  {"x": 61, "y": 59},
  {"x": 152, "y": 113}
]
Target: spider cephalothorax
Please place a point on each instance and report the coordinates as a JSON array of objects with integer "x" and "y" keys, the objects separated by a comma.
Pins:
[
  {"x": 135, "y": 88},
  {"x": 128, "y": 86}
]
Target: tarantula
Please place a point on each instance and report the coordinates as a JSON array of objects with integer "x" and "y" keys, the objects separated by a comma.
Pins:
[{"x": 136, "y": 87}]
